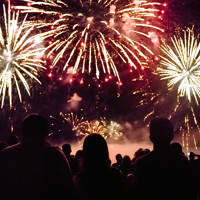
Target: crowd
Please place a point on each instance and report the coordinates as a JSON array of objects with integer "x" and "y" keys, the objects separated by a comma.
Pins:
[{"x": 32, "y": 169}]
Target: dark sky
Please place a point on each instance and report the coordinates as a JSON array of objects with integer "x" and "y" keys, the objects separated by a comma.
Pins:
[{"x": 184, "y": 13}]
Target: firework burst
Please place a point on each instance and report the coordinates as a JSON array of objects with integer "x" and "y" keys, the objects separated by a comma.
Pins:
[
  {"x": 19, "y": 59},
  {"x": 95, "y": 126},
  {"x": 115, "y": 131},
  {"x": 93, "y": 35},
  {"x": 177, "y": 97},
  {"x": 110, "y": 131},
  {"x": 77, "y": 123},
  {"x": 181, "y": 65},
  {"x": 81, "y": 127}
]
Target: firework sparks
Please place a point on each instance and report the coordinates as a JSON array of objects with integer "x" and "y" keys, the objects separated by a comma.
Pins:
[
  {"x": 179, "y": 93},
  {"x": 95, "y": 126},
  {"x": 19, "y": 57},
  {"x": 181, "y": 65},
  {"x": 77, "y": 123},
  {"x": 83, "y": 127},
  {"x": 162, "y": 102},
  {"x": 114, "y": 130},
  {"x": 92, "y": 35},
  {"x": 181, "y": 69}
]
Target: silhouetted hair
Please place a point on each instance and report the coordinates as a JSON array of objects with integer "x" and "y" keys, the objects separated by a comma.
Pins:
[
  {"x": 192, "y": 155},
  {"x": 66, "y": 148},
  {"x": 176, "y": 147},
  {"x": 126, "y": 160},
  {"x": 79, "y": 154},
  {"x": 118, "y": 157},
  {"x": 161, "y": 130},
  {"x": 35, "y": 125},
  {"x": 95, "y": 150}
]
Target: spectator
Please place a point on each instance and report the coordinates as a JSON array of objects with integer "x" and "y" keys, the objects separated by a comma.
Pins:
[
  {"x": 32, "y": 169},
  {"x": 126, "y": 166},
  {"x": 78, "y": 161},
  {"x": 97, "y": 180},
  {"x": 163, "y": 174},
  {"x": 66, "y": 148},
  {"x": 176, "y": 147},
  {"x": 138, "y": 154},
  {"x": 194, "y": 160},
  {"x": 118, "y": 158}
]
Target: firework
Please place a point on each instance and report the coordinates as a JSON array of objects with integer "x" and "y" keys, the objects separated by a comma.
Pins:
[
  {"x": 177, "y": 96},
  {"x": 83, "y": 127},
  {"x": 95, "y": 126},
  {"x": 19, "y": 57},
  {"x": 110, "y": 131},
  {"x": 93, "y": 35},
  {"x": 77, "y": 123},
  {"x": 115, "y": 130},
  {"x": 181, "y": 65}
]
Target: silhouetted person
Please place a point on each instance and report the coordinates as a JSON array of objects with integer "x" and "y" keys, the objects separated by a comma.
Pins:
[
  {"x": 118, "y": 163},
  {"x": 163, "y": 173},
  {"x": 194, "y": 160},
  {"x": 126, "y": 166},
  {"x": 79, "y": 154},
  {"x": 33, "y": 169},
  {"x": 97, "y": 180},
  {"x": 140, "y": 152},
  {"x": 176, "y": 147},
  {"x": 78, "y": 161},
  {"x": 67, "y": 150}
]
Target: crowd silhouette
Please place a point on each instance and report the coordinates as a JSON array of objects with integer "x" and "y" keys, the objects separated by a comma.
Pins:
[{"x": 31, "y": 168}]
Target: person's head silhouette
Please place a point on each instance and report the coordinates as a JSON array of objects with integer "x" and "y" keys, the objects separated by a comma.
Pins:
[
  {"x": 66, "y": 148},
  {"x": 118, "y": 158},
  {"x": 161, "y": 132},
  {"x": 95, "y": 151},
  {"x": 176, "y": 147},
  {"x": 34, "y": 127}
]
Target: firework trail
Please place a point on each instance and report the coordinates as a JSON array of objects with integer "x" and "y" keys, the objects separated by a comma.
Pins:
[
  {"x": 19, "y": 57},
  {"x": 178, "y": 95},
  {"x": 92, "y": 35}
]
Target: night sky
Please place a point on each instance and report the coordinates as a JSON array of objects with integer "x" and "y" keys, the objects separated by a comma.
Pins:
[{"x": 110, "y": 101}]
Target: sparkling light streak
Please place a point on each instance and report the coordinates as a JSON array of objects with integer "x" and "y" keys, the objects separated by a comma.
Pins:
[
  {"x": 109, "y": 130},
  {"x": 20, "y": 57},
  {"x": 76, "y": 123},
  {"x": 181, "y": 65},
  {"x": 92, "y": 36},
  {"x": 95, "y": 126}
]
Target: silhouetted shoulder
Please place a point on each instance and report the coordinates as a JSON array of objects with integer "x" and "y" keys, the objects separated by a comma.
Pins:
[
  {"x": 56, "y": 156},
  {"x": 154, "y": 158}
]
